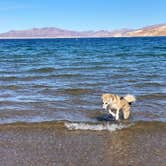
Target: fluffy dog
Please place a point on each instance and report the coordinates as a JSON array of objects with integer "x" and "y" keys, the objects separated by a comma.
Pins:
[{"x": 113, "y": 102}]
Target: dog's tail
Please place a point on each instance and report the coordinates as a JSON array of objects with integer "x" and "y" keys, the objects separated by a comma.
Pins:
[{"x": 129, "y": 98}]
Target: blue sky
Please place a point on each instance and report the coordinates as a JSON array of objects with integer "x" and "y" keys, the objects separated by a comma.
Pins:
[{"x": 81, "y": 14}]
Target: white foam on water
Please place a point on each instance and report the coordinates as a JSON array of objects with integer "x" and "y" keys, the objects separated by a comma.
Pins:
[{"x": 94, "y": 127}]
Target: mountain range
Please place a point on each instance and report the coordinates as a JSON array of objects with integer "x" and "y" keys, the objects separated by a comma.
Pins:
[{"x": 53, "y": 32}]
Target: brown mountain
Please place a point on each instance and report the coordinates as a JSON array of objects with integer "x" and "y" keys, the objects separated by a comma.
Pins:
[
  {"x": 155, "y": 30},
  {"x": 49, "y": 32},
  {"x": 52, "y": 32}
]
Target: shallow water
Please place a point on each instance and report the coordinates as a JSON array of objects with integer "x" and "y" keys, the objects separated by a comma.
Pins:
[{"x": 63, "y": 79}]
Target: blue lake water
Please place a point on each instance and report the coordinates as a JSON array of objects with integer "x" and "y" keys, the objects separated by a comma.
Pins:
[{"x": 63, "y": 79}]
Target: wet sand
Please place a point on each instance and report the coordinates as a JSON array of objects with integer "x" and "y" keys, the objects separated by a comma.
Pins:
[{"x": 53, "y": 145}]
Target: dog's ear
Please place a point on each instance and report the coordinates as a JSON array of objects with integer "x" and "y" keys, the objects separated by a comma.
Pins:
[{"x": 102, "y": 96}]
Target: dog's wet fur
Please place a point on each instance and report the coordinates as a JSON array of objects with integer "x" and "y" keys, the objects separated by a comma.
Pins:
[{"x": 116, "y": 104}]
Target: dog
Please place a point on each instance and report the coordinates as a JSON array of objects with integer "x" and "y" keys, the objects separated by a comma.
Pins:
[{"x": 113, "y": 102}]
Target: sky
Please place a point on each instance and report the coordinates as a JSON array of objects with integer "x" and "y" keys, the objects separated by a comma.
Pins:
[{"x": 81, "y": 15}]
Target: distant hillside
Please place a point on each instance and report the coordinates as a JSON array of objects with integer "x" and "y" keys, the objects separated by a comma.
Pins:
[
  {"x": 52, "y": 32},
  {"x": 49, "y": 32},
  {"x": 155, "y": 30}
]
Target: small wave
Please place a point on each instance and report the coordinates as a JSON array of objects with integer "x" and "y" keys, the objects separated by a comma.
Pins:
[
  {"x": 77, "y": 91},
  {"x": 149, "y": 84},
  {"x": 94, "y": 127},
  {"x": 83, "y": 126},
  {"x": 10, "y": 87},
  {"x": 153, "y": 96},
  {"x": 68, "y": 75},
  {"x": 43, "y": 70},
  {"x": 8, "y": 78}
]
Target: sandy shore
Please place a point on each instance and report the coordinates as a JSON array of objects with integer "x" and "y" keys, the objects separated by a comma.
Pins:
[{"x": 53, "y": 145}]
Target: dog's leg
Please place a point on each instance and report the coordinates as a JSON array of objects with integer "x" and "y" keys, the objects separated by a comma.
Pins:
[
  {"x": 126, "y": 113},
  {"x": 112, "y": 113},
  {"x": 117, "y": 114}
]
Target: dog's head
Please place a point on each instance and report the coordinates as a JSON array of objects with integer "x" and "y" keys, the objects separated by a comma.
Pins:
[{"x": 107, "y": 100}]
